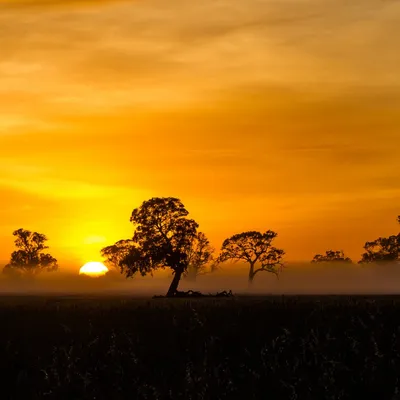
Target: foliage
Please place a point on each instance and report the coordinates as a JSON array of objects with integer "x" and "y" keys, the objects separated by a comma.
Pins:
[
  {"x": 29, "y": 258},
  {"x": 254, "y": 248},
  {"x": 200, "y": 257},
  {"x": 117, "y": 252},
  {"x": 383, "y": 249},
  {"x": 163, "y": 238},
  {"x": 331, "y": 256}
]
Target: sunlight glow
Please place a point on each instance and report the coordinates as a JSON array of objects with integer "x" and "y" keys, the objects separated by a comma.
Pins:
[{"x": 94, "y": 269}]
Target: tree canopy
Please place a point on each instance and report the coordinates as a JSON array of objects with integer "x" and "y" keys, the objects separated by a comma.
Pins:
[
  {"x": 29, "y": 258},
  {"x": 382, "y": 250},
  {"x": 331, "y": 256},
  {"x": 254, "y": 248},
  {"x": 163, "y": 238},
  {"x": 200, "y": 256},
  {"x": 117, "y": 252}
]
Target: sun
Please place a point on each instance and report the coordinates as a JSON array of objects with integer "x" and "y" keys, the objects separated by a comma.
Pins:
[{"x": 94, "y": 269}]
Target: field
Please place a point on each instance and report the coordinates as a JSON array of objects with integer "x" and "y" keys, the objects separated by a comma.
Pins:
[{"x": 244, "y": 348}]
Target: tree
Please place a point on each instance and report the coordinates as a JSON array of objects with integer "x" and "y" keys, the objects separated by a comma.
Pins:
[
  {"x": 163, "y": 238},
  {"x": 29, "y": 258},
  {"x": 331, "y": 256},
  {"x": 116, "y": 253},
  {"x": 200, "y": 255},
  {"x": 256, "y": 249},
  {"x": 382, "y": 250}
]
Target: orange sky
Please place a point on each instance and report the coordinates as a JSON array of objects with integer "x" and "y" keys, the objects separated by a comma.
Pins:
[{"x": 258, "y": 114}]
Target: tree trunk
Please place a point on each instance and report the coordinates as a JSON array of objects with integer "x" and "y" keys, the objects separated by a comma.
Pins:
[
  {"x": 175, "y": 282},
  {"x": 251, "y": 274}
]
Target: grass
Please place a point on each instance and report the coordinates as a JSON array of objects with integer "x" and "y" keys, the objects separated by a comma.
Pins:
[{"x": 249, "y": 348}]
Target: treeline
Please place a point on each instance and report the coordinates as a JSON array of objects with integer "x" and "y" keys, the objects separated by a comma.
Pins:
[{"x": 165, "y": 237}]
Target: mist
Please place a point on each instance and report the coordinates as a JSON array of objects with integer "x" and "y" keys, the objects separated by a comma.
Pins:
[{"x": 296, "y": 279}]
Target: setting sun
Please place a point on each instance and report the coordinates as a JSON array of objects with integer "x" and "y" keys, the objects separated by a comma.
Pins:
[{"x": 94, "y": 269}]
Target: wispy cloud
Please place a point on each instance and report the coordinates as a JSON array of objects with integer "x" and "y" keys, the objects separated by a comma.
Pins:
[
  {"x": 9, "y": 4},
  {"x": 263, "y": 106}
]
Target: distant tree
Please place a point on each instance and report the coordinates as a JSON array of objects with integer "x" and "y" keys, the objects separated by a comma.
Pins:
[
  {"x": 164, "y": 238},
  {"x": 201, "y": 260},
  {"x": 29, "y": 258},
  {"x": 382, "y": 249},
  {"x": 117, "y": 252},
  {"x": 254, "y": 248},
  {"x": 331, "y": 256}
]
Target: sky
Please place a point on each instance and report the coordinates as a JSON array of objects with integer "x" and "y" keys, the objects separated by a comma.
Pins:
[{"x": 257, "y": 114}]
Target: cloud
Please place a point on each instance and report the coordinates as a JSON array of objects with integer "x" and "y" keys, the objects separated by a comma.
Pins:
[
  {"x": 142, "y": 44},
  {"x": 23, "y": 4},
  {"x": 269, "y": 112}
]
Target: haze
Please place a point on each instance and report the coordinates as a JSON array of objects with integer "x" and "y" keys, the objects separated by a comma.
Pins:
[
  {"x": 258, "y": 115},
  {"x": 297, "y": 279}
]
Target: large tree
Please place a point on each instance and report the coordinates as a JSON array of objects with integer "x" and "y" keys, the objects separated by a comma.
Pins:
[
  {"x": 256, "y": 249},
  {"x": 30, "y": 257},
  {"x": 331, "y": 256},
  {"x": 164, "y": 237},
  {"x": 382, "y": 250}
]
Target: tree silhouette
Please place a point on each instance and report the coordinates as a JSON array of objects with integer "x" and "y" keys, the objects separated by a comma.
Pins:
[
  {"x": 382, "y": 249},
  {"x": 29, "y": 258},
  {"x": 116, "y": 253},
  {"x": 164, "y": 238},
  {"x": 200, "y": 255},
  {"x": 256, "y": 249},
  {"x": 331, "y": 256}
]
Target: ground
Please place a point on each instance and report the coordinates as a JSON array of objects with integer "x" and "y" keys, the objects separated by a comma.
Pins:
[{"x": 243, "y": 347}]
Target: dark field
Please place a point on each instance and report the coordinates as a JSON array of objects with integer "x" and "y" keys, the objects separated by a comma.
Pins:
[{"x": 245, "y": 348}]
